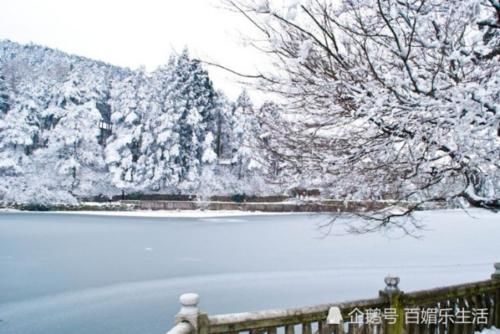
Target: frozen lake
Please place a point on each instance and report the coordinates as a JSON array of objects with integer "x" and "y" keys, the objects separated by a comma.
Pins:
[{"x": 68, "y": 273}]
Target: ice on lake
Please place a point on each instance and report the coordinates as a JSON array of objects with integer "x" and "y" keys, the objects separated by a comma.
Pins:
[{"x": 67, "y": 273}]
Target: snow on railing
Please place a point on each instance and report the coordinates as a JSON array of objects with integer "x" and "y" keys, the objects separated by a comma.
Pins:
[
  {"x": 186, "y": 320},
  {"x": 458, "y": 309}
]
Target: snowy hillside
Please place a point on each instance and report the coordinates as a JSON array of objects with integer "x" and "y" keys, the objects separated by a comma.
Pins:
[{"x": 73, "y": 127}]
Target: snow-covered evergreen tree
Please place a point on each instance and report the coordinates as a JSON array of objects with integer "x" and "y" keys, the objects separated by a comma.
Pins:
[
  {"x": 192, "y": 99},
  {"x": 4, "y": 94},
  {"x": 123, "y": 150},
  {"x": 223, "y": 126},
  {"x": 71, "y": 146},
  {"x": 269, "y": 118},
  {"x": 245, "y": 136},
  {"x": 18, "y": 133},
  {"x": 208, "y": 173},
  {"x": 162, "y": 143}
]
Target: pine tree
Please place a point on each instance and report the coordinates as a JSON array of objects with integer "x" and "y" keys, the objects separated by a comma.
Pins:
[
  {"x": 243, "y": 101},
  {"x": 244, "y": 138},
  {"x": 223, "y": 126},
  {"x": 4, "y": 94},
  {"x": 123, "y": 150},
  {"x": 71, "y": 144},
  {"x": 209, "y": 159},
  {"x": 162, "y": 147},
  {"x": 270, "y": 121},
  {"x": 192, "y": 100},
  {"x": 18, "y": 131}
]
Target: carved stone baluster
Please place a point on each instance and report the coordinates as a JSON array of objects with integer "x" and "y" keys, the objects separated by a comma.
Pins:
[
  {"x": 495, "y": 277},
  {"x": 395, "y": 299},
  {"x": 306, "y": 328},
  {"x": 321, "y": 327},
  {"x": 441, "y": 328},
  {"x": 271, "y": 330},
  {"x": 489, "y": 304}
]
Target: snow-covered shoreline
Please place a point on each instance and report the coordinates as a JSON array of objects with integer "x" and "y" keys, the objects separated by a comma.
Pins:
[
  {"x": 165, "y": 213},
  {"x": 208, "y": 213},
  {"x": 179, "y": 213}
]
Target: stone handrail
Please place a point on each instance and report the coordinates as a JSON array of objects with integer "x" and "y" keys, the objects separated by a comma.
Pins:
[
  {"x": 324, "y": 319},
  {"x": 275, "y": 318}
]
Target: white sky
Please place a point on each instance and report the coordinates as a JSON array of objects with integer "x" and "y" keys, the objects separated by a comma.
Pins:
[{"x": 133, "y": 33}]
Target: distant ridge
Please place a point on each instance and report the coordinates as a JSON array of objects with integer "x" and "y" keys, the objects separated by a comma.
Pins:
[{"x": 10, "y": 50}]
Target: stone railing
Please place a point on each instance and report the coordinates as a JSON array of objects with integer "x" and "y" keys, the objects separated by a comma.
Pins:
[
  {"x": 459, "y": 309},
  {"x": 293, "y": 206}
]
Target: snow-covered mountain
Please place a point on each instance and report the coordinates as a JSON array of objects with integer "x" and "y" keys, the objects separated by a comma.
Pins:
[{"x": 75, "y": 127}]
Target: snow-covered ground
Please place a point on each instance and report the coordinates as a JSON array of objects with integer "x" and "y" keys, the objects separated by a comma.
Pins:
[
  {"x": 177, "y": 213},
  {"x": 77, "y": 273}
]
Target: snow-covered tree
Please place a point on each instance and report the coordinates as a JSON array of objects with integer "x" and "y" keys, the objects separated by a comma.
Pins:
[
  {"x": 160, "y": 139},
  {"x": 4, "y": 94},
  {"x": 192, "y": 100},
  {"x": 123, "y": 149},
  {"x": 209, "y": 160},
  {"x": 245, "y": 137},
  {"x": 71, "y": 146},
  {"x": 223, "y": 126},
  {"x": 19, "y": 130},
  {"x": 270, "y": 122},
  {"x": 74, "y": 151},
  {"x": 389, "y": 99}
]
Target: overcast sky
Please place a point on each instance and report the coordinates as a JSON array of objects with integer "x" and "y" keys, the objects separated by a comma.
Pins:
[{"x": 134, "y": 32}]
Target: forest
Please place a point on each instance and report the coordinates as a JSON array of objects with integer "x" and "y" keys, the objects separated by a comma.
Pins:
[{"x": 72, "y": 128}]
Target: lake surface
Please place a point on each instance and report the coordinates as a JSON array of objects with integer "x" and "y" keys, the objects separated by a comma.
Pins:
[{"x": 72, "y": 274}]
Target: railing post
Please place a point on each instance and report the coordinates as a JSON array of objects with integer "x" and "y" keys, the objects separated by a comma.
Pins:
[
  {"x": 496, "y": 276},
  {"x": 394, "y": 296},
  {"x": 191, "y": 314}
]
